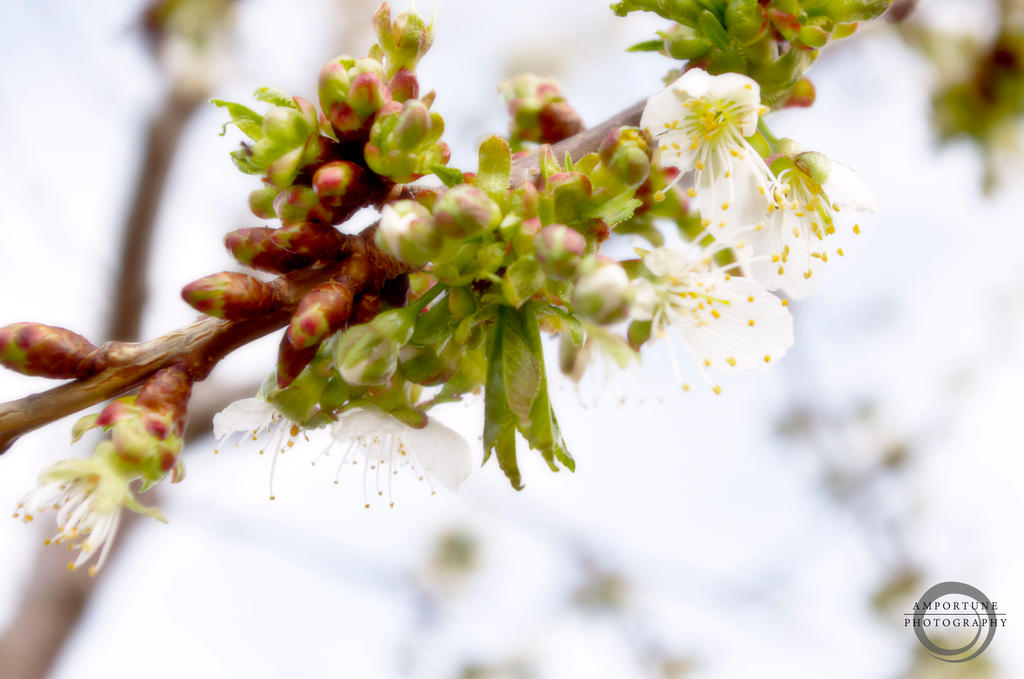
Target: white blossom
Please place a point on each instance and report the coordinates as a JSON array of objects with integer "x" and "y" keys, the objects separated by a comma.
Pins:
[
  {"x": 385, "y": 444},
  {"x": 727, "y": 323},
  {"x": 801, "y": 233},
  {"x": 700, "y": 122}
]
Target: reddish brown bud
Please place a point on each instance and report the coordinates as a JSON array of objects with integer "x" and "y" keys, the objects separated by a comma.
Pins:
[
  {"x": 558, "y": 121},
  {"x": 165, "y": 396},
  {"x": 254, "y": 247},
  {"x": 230, "y": 295},
  {"x": 291, "y": 361},
  {"x": 366, "y": 309},
  {"x": 317, "y": 241},
  {"x": 801, "y": 95},
  {"x": 47, "y": 351},
  {"x": 324, "y": 310}
]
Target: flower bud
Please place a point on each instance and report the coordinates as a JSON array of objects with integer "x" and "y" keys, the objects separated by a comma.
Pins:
[
  {"x": 847, "y": 11},
  {"x": 816, "y": 32},
  {"x": 404, "y": 141},
  {"x": 602, "y": 293},
  {"x": 625, "y": 152},
  {"x": 571, "y": 193},
  {"x": 461, "y": 302},
  {"x": 745, "y": 21},
  {"x": 407, "y": 232},
  {"x": 685, "y": 43},
  {"x": 539, "y": 110},
  {"x": 291, "y": 361},
  {"x": 322, "y": 311},
  {"x": 351, "y": 91},
  {"x": 254, "y": 247},
  {"x": 465, "y": 211},
  {"x": 48, "y": 351},
  {"x": 404, "y": 85},
  {"x": 234, "y": 296},
  {"x": 285, "y": 126},
  {"x": 261, "y": 202},
  {"x": 405, "y": 40},
  {"x": 333, "y": 180},
  {"x": 167, "y": 392},
  {"x": 299, "y": 204},
  {"x": 802, "y": 94},
  {"x": 558, "y": 249},
  {"x": 308, "y": 239},
  {"x": 366, "y": 356},
  {"x": 815, "y": 165}
]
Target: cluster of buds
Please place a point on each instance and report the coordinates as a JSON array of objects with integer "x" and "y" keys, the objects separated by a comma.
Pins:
[
  {"x": 145, "y": 438},
  {"x": 538, "y": 110},
  {"x": 773, "y": 41}
]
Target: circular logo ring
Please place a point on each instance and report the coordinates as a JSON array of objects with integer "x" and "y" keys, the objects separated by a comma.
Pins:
[{"x": 944, "y": 589}]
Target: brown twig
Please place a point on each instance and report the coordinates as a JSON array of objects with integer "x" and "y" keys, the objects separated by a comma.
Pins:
[{"x": 205, "y": 342}]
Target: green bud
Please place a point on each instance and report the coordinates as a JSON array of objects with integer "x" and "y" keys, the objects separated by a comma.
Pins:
[
  {"x": 285, "y": 126},
  {"x": 465, "y": 211},
  {"x": 685, "y": 43},
  {"x": 558, "y": 249},
  {"x": 461, "y": 302},
  {"x": 366, "y": 356},
  {"x": 815, "y": 165},
  {"x": 625, "y": 152},
  {"x": 407, "y": 232},
  {"x": 261, "y": 202},
  {"x": 815, "y": 34},
  {"x": 351, "y": 91},
  {"x": 745, "y": 21},
  {"x": 405, "y": 40},
  {"x": 333, "y": 180},
  {"x": 846, "y": 11},
  {"x": 571, "y": 192},
  {"x": 404, "y": 141},
  {"x": 602, "y": 292},
  {"x": 299, "y": 204}
]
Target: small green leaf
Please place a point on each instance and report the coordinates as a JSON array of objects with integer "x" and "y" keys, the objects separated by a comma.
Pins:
[
  {"x": 495, "y": 166},
  {"x": 247, "y": 120},
  {"x": 647, "y": 46},
  {"x": 274, "y": 96},
  {"x": 449, "y": 176},
  {"x": 708, "y": 23},
  {"x": 616, "y": 209},
  {"x": 240, "y": 158}
]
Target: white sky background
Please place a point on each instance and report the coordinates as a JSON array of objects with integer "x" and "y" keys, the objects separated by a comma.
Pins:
[{"x": 736, "y": 555}]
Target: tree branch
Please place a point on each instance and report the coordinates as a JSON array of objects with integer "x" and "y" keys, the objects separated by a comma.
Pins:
[{"x": 205, "y": 342}]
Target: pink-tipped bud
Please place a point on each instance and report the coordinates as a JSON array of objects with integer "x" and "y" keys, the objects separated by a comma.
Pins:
[
  {"x": 558, "y": 249},
  {"x": 230, "y": 295},
  {"x": 801, "y": 95},
  {"x": 404, "y": 85},
  {"x": 48, "y": 351},
  {"x": 334, "y": 180},
  {"x": 465, "y": 211},
  {"x": 166, "y": 393},
  {"x": 300, "y": 204},
  {"x": 316, "y": 241},
  {"x": 254, "y": 247},
  {"x": 323, "y": 310}
]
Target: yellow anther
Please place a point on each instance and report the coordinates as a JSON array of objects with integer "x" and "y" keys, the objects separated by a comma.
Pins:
[
  {"x": 731, "y": 361},
  {"x": 717, "y": 389},
  {"x": 767, "y": 359},
  {"x": 691, "y": 192}
]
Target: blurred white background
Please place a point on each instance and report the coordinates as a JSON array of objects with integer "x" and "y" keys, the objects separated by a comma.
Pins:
[{"x": 712, "y": 536}]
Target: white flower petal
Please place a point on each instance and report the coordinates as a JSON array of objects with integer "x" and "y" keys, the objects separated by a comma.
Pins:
[
  {"x": 245, "y": 415},
  {"x": 738, "y": 90},
  {"x": 745, "y": 328},
  {"x": 439, "y": 451},
  {"x": 846, "y": 188}
]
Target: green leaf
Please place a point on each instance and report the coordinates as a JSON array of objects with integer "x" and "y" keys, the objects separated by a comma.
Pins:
[
  {"x": 499, "y": 422},
  {"x": 240, "y": 158},
  {"x": 616, "y": 209},
  {"x": 506, "y": 449},
  {"x": 449, "y": 176},
  {"x": 495, "y": 166},
  {"x": 274, "y": 96},
  {"x": 647, "y": 46},
  {"x": 247, "y": 120},
  {"x": 522, "y": 279},
  {"x": 522, "y": 367},
  {"x": 708, "y": 24}
]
